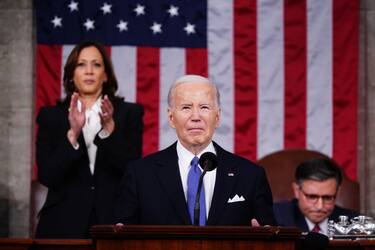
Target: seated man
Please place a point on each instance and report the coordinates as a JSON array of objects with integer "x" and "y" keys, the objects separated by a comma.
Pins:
[
  {"x": 161, "y": 188},
  {"x": 317, "y": 182}
]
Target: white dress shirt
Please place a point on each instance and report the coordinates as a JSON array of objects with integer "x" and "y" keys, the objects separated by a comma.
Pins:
[
  {"x": 184, "y": 160},
  {"x": 323, "y": 226},
  {"x": 90, "y": 129}
]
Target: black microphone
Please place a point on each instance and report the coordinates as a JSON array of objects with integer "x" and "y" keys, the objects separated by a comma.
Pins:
[
  {"x": 314, "y": 241},
  {"x": 208, "y": 161}
]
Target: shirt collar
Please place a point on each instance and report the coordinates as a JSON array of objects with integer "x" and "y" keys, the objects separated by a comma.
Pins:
[
  {"x": 185, "y": 156},
  {"x": 323, "y": 225},
  {"x": 95, "y": 107}
]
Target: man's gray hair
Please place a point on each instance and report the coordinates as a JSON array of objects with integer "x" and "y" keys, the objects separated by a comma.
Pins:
[{"x": 191, "y": 79}]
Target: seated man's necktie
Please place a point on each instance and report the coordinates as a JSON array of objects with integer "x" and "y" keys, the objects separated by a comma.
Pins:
[{"x": 316, "y": 229}]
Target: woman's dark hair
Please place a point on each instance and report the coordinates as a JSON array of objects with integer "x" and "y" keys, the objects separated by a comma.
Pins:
[
  {"x": 109, "y": 87},
  {"x": 318, "y": 170}
]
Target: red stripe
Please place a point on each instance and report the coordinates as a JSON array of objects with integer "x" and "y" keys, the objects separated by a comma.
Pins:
[
  {"x": 148, "y": 84},
  {"x": 48, "y": 75},
  {"x": 295, "y": 25},
  {"x": 108, "y": 49},
  {"x": 345, "y": 84},
  {"x": 48, "y": 80},
  {"x": 245, "y": 72},
  {"x": 197, "y": 61}
]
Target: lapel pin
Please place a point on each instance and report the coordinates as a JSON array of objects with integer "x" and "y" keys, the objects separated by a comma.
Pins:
[{"x": 230, "y": 174}]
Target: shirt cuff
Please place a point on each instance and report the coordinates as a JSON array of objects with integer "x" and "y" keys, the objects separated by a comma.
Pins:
[{"x": 76, "y": 146}]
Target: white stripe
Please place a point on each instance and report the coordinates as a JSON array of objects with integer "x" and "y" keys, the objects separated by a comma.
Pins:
[
  {"x": 124, "y": 63},
  {"x": 221, "y": 65},
  {"x": 270, "y": 46},
  {"x": 319, "y": 76},
  {"x": 66, "y": 49},
  {"x": 172, "y": 66}
]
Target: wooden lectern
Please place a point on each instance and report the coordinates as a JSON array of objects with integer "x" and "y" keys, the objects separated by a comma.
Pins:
[{"x": 194, "y": 237}]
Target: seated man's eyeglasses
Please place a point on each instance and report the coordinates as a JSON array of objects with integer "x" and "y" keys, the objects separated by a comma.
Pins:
[{"x": 313, "y": 198}]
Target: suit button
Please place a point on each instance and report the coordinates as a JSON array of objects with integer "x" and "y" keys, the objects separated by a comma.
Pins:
[{"x": 92, "y": 188}]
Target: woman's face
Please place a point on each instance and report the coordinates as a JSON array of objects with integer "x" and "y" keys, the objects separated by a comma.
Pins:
[{"x": 89, "y": 73}]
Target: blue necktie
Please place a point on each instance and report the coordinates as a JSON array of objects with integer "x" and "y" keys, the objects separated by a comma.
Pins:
[{"x": 193, "y": 180}]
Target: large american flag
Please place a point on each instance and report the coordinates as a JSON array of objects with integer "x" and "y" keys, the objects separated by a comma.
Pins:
[{"x": 287, "y": 70}]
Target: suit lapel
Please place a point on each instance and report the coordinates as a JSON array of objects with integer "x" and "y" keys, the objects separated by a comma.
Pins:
[
  {"x": 225, "y": 181},
  {"x": 170, "y": 179}
]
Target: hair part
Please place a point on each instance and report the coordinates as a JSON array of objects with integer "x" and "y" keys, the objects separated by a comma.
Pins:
[
  {"x": 109, "y": 87},
  {"x": 318, "y": 170},
  {"x": 191, "y": 79}
]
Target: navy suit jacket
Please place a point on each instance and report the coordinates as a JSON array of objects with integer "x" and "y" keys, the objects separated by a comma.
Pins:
[
  {"x": 288, "y": 214},
  {"x": 76, "y": 198},
  {"x": 153, "y": 192}
]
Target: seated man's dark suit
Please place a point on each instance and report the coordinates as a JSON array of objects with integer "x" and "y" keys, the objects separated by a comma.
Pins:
[
  {"x": 153, "y": 192},
  {"x": 288, "y": 214}
]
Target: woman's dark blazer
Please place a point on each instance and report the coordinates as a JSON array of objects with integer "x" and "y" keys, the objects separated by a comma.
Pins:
[{"x": 76, "y": 198}]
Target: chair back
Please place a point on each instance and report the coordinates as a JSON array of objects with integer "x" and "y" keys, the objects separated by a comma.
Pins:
[{"x": 280, "y": 168}]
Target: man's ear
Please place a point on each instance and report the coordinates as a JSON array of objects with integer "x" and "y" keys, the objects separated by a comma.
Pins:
[
  {"x": 295, "y": 188},
  {"x": 170, "y": 118},
  {"x": 218, "y": 118}
]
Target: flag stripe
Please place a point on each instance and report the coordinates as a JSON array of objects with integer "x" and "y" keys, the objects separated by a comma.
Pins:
[
  {"x": 295, "y": 73},
  {"x": 48, "y": 84},
  {"x": 319, "y": 83},
  {"x": 123, "y": 58},
  {"x": 48, "y": 75},
  {"x": 220, "y": 65},
  {"x": 345, "y": 77},
  {"x": 66, "y": 49},
  {"x": 270, "y": 31},
  {"x": 196, "y": 61},
  {"x": 173, "y": 65},
  {"x": 245, "y": 51},
  {"x": 148, "y": 68}
]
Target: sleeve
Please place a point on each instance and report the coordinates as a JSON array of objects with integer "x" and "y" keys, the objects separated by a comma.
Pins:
[
  {"x": 125, "y": 143},
  {"x": 127, "y": 204},
  {"x": 263, "y": 209},
  {"x": 55, "y": 155}
]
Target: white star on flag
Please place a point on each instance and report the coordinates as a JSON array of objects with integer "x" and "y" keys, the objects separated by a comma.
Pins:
[
  {"x": 122, "y": 26},
  {"x": 156, "y": 28},
  {"x": 89, "y": 24},
  {"x": 189, "y": 28},
  {"x": 57, "y": 21},
  {"x": 140, "y": 10},
  {"x": 173, "y": 11},
  {"x": 73, "y": 6},
  {"x": 106, "y": 8}
]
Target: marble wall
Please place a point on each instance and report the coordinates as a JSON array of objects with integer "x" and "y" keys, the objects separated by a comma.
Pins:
[
  {"x": 367, "y": 108},
  {"x": 16, "y": 112}
]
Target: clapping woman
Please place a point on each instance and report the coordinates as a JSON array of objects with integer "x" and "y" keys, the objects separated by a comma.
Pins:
[{"x": 83, "y": 146}]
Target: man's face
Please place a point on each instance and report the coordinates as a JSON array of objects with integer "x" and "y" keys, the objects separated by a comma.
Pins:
[
  {"x": 194, "y": 114},
  {"x": 316, "y": 199}
]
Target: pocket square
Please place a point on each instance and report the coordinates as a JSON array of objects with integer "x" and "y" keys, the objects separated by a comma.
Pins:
[{"x": 236, "y": 198}]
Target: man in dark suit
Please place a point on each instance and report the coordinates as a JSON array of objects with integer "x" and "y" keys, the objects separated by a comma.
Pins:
[
  {"x": 157, "y": 189},
  {"x": 317, "y": 182}
]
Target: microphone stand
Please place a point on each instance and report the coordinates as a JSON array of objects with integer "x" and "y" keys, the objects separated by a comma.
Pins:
[{"x": 197, "y": 199}]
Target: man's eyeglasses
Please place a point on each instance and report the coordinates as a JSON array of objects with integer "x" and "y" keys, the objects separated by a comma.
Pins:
[{"x": 313, "y": 198}]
